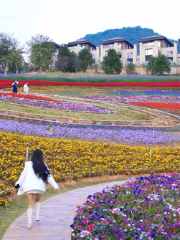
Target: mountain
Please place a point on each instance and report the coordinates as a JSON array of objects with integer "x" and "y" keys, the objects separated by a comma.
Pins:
[{"x": 132, "y": 34}]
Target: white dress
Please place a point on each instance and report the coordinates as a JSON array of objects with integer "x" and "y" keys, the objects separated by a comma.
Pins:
[
  {"x": 30, "y": 183},
  {"x": 26, "y": 89}
]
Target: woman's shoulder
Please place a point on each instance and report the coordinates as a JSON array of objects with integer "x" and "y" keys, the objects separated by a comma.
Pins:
[{"x": 28, "y": 163}]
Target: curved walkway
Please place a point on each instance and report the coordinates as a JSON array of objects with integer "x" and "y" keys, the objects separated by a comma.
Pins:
[{"x": 57, "y": 215}]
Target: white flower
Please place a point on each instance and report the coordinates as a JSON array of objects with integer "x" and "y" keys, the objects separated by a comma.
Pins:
[{"x": 84, "y": 233}]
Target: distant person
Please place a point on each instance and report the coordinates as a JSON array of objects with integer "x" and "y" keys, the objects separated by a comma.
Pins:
[
  {"x": 26, "y": 88},
  {"x": 32, "y": 182},
  {"x": 15, "y": 84}
]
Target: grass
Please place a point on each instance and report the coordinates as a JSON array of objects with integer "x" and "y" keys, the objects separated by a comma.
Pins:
[
  {"x": 125, "y": 114},
  {"x": 93, "y": 78},
  {"x": 18, "y": 205}
]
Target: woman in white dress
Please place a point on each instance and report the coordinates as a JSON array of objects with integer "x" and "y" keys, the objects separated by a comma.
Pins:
[
  {"x": 26, "y": 88},
  {"x": 32, "y": 182}
]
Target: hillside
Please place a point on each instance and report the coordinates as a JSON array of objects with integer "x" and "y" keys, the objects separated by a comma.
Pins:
[{"x": 132, "y": 34}]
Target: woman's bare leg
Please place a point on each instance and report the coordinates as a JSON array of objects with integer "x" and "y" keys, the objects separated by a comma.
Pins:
[
  {"x": 37, "y": 198},
  {"x": 30, "y": 200}
]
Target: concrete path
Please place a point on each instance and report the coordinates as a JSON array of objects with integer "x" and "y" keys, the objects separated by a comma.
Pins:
[{"x": 56, "y": 214}]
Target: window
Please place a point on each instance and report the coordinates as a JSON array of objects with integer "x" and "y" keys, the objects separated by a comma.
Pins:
[
  {"x": 167, "y": 44},
  {"x": 109, "y": 46},
  {"x": 169, "y": 53},
  {"x": 159, "y": 44},
  {"x": 94, "y": 56},
  {"x": 178, "y": 58},
  {"x": 119, "y": 45},
  {"x": 106, "y": 53},
  {"x": 149, "y": 44},
  {"x": 148, "y": 51},
  {"x": 128, "y": 46},
  {"x": 82, "y": 47},
  {"x": 129, "y": 55}
]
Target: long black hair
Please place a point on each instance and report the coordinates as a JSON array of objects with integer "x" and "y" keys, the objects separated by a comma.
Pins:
[{"x": 40, "y": 169}]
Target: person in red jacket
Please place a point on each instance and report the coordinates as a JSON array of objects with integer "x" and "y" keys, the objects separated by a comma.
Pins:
[{"x": 32, "y": 182}]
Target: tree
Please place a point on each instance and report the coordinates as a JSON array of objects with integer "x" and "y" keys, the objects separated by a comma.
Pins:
[
  {"x": 62, "y": 63},
  {"x": 162, "y": 65},
  {"x": 130, "y": 68},
  {"x": 111, "y": 63},
  {"x": 151, "y": 64},
  {"x": 86, "y": 58},
  {"x": 64, "y": 51},
  {"x": 75, "y": 62},
  {"x": 159, "y": 65},
  {"x": 8, "y": 45},
  {"x": 17, "y": 60},
  {"x": 41, "y": 51}
]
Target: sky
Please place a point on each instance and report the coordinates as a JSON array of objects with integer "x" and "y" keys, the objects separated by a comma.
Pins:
[{"x": 68, "y": 20}]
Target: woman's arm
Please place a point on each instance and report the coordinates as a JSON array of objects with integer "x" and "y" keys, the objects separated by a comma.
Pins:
[
  {"x": 52, "y": 182},
  {"x": 22, "y": 177}
]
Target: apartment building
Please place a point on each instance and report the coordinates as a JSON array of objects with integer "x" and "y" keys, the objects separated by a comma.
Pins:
[
  {"x": 80, "y": 44},
  {"x": 149, "y": 46},
  {"x": 155, "y": 45},
  {"x": 126, "y": 50}
]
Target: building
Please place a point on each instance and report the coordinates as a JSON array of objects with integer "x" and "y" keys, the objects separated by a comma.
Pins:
[
  {"x": 149, "y": 46},
  {"x": 55, "y": 55},
  {"x": 155, "y": 45},
  {"x": 80, "y": 44},
  {"x": 126, "y": 50}
]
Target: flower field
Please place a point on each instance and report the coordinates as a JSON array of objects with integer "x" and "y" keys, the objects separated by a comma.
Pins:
[
  {"x": 144, "y": 208},
  {"x": 81, "y": 158},
  {"x": 92, "y": 135}
]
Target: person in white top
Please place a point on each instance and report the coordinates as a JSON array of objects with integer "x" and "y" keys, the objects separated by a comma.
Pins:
[
  {"x": 32, "y": 182},
  {"x": 26, "y": 88}
]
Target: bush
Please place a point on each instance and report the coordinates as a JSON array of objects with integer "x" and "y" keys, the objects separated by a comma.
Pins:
[
  {"x": 130, "y": 68},
  {"x": 108, "y": 70}
]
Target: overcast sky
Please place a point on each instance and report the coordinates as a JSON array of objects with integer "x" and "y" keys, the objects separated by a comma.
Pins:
[{"x": 68, "y": 20}]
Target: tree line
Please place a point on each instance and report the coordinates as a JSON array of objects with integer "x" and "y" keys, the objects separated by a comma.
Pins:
[{"x": 41, "y": 52}]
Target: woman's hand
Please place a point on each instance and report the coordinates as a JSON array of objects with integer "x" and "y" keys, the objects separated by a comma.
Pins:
[
  {"x": 57, "y": 189},
  {"x": 17, "y": 186}
]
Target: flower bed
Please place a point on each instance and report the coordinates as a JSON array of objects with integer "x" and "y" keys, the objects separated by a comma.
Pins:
[
  {"x": 157, "y": 105},
  {"x": 132, "y": 98},
  {"x": 144, "y": 208},
  {"x": 27, "y": 96},
  {"x": 79, "y": 158},
  {"x": 52, "y": 104},
  {"x": 100, "y": 83},
  {"x": 122, "y": 135},
  {"x": 145, "y": 92}
]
